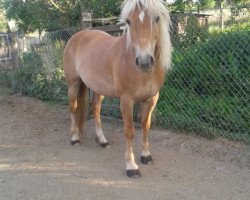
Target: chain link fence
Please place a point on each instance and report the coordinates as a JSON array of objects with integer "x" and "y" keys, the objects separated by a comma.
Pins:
[{"x": 207, "y": 91}]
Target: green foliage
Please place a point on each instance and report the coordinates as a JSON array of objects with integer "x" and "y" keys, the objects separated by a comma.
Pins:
[
  {"x": 3, "y": 22},
  {"x": 205, "y": 4},
  {"x": 193, "y": 31},
  {"x": 239, "y": 26},
  {"x": 41, "y": 15},
  {"x": 187, "y": 5},
  {"x": 32, "y": 60},
  {"x": 232, "y": 27},
  {"x": 105, "y": 8},
  {"x": 239, "y": 7},
  {"x": 5, "y": 78},
  {"x": 179, "y": 5},
  {"x": 41, "y": 85},
  {"x": 27, "y": 14},
  {"x": 207, "y": 91},
  {"x": 51, "y": 15},
  {"x": 32, "y": 79}
]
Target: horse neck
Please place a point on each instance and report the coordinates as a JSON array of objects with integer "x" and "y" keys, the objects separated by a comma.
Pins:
[
  {"x": 125, "y": 47},
  {"x": 158, "y": 54}
]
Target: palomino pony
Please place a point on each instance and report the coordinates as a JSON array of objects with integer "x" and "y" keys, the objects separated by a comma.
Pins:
[{"x": 131, "y": 67}]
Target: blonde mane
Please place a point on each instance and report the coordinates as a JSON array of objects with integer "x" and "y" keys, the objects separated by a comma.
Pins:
[{"x": 153, "y": 8}]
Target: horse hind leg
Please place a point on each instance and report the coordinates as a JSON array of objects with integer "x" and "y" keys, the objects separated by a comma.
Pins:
[
  {"x": 77, "y": 92},
  {"x": 96, "y": 109}
]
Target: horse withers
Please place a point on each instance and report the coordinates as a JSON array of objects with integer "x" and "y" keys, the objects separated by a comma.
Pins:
[{"x": 131, "y": 67}]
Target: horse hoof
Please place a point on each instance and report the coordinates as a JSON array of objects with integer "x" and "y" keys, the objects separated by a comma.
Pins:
[
  {"x": 73, "y": 142},
  {"x": 146, "y": 160},
  {"x": 105, "y": 145},
  {"x": 133, "y": 173}
]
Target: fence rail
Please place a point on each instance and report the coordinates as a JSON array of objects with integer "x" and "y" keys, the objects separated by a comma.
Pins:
[{"x": 206, "y": 92}]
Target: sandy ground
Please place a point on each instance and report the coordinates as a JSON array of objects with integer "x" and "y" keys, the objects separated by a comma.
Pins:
[{"x": 38, "y": 162}]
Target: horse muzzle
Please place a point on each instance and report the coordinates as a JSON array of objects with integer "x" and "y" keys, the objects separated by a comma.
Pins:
[{"x": 145, "y": 63}]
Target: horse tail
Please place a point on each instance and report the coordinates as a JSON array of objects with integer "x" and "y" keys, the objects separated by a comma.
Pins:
[{"x": 82, "y": 107}]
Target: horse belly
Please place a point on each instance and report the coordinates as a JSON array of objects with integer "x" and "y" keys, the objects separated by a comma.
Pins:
[
  {"x": 94, "y": 64},
  {"x": 99, "y": 83}
]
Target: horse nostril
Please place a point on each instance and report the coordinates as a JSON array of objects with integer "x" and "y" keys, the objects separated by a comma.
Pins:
[
  {"x": 137, "y": 61},
  {"x": 152, "y": 60}
]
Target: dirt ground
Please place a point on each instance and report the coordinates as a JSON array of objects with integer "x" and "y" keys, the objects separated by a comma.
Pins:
[{"x": 37, "y": 161}]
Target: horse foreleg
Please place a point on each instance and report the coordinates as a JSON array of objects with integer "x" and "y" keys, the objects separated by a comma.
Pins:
[
  {"x": 147, "y": 109},
  {"x": 129, "y": 131},
  {"x": 96, "y": 109}
]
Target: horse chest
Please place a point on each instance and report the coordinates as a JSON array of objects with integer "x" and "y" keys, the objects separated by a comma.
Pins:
[
  {"x": 139, "y": 86},
  {"x": 143, "y": 93}
]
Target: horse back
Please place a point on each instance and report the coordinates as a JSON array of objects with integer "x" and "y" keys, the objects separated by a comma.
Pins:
[{"x": 88, "y": 56}]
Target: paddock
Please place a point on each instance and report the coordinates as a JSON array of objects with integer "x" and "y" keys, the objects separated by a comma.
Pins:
[{"x": 38, "y": 162}]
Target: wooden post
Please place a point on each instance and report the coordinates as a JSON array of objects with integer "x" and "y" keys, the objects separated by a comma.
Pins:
[
  {"x": 86, "y": 20},
  {"x": 221, "y": 15}
]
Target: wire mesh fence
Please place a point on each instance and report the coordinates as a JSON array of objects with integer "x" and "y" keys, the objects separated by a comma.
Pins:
[{"x": 206, "y": 92}]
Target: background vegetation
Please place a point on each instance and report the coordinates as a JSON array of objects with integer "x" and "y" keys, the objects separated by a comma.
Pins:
[
  {"x": 206, "y": 92},
  {"x": 48, "y": 15}
]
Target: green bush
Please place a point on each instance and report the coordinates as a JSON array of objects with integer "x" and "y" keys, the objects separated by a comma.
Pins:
[
  {"x": 207, "y": 91},
  {"x": 32, "y": 60},
  {"x": 6, "y": 78},
  {"x": 49, "y": 87},
  {"x": 187, "y": 30},
  {"x": 35, "y": 80}
]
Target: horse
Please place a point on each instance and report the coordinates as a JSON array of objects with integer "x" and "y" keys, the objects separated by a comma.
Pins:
[{"x": 130, "y": 67}]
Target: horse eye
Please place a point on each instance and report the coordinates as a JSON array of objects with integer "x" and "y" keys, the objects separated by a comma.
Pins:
[
  {"x": 157, "y": 19},
  {"x": 128, "y": 21}
]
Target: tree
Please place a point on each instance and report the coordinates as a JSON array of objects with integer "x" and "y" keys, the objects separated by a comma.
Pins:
[
  {"x": 237, "y": 7},
  {"x": 27, "y": 14},
  {"x": 189, "y": 5},
  {"x": 219, "y": 4},
  {"x": 32, "y": 15},
  {"x": 180, "y": 6},
  {"x": 105, "y": 8},
  {"x": 204, "y": 4},
  {"x": 48, "y": 15},
  {"x": 3, "y": 22}
]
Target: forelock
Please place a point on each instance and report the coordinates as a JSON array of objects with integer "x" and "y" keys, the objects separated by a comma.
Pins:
[{"x": 153, "y": 8}]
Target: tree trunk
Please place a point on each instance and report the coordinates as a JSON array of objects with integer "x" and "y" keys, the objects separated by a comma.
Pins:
[{"x": 221, "y": 16}]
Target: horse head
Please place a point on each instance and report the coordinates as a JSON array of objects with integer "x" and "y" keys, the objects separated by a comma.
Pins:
[{"x": 147, "y": 32}]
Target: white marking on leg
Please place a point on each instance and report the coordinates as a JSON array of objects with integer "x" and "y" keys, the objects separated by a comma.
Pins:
[
  {"x": 141, "y": 16},
  {"x": 145, "y": 153},
  {"x": 100, "y": 135},
  {"x": 73, "y": 123},
  {"x": 75, "y": 137},
  {"x": 130, "y": 164}
]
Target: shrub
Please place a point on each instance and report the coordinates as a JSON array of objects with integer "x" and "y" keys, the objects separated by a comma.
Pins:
[
  {"x": 207, "y": 91},
  {"x": 49, "y": 87},
  {"x": 32, "y": 60},
  {"x": 6, "y": 78},
  {"x": 35, "y": 80}
]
